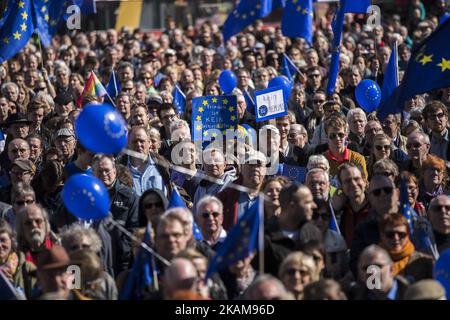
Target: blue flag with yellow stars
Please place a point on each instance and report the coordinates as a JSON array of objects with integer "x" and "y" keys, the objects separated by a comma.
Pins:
[
  {"x": 212, "y": 116},
  {"x": 48, "y": 18},
  {"x": 428, "y": 68},
  {"x": 241, "y": 241},
  {"x": 405, "y": 208},
  {"x": 86, "y": 6},
  {"x": 337, "y": 26},
  {"x": 16, "y": 30},
  {"x": 7, "y": 10},
  {"x": 357, "y": 6},
  {"x": 390, "y": 83},
  {"x": 246, "y": 12},
  {"x": 297, "y": 19},
  {"x": 179, "y": 99},
  {"x": 295, "y": 173}
]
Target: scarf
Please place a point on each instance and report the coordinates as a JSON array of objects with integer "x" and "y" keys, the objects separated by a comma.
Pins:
[
  {"x": 401, "y": 257},
  {"x": 9, "y": 268}
]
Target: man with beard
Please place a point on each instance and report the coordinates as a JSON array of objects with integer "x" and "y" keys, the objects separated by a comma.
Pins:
[{"x": 33, "y": 231}]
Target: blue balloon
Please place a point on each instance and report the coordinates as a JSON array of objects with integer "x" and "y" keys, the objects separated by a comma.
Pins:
[
  {"x": 227, "y": 81},
  {"x": 285, "y": 83},
  {"x": 86, "y": 197},
  {"x": 101, "y": 129},
  {"x": 441, "y": 271},
  {"x": 368, "y": 95}
]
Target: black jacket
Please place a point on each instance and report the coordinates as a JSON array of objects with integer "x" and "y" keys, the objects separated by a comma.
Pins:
[
  {"x": 361, "y": 292},
  {"x": 302, "y": 154}
]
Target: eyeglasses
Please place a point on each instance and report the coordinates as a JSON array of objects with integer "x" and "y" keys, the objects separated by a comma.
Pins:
[
  {"x": 151, "y": 205},
  {"x": 205, "y": 215},
  {"x": 380, "y": 147},
  {"x": 439, "y": 115},
  {"x": 323, "y": 216},
  {"x": 21, "y": 203},
  {"x": 333, "y": 135},
  {"x": 391, "y": 234},
  {"x": 385, "y": 190},
  {"x": 413, "y": 145}
]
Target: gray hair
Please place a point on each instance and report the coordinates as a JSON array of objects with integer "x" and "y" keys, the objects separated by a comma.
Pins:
[
  {"x": 249, "y": 292},
  {"x": 374, "y": 250},
  {"x": 22, "y": 189},
  {"x": 9, "y": 84},
  {"x": 178, "y": 213},
  {"x": 206, "y": 199},
  {"x": 352, "y": 112},
  {"x": 318, "y": 170},
  {"x": 20, "y": 221},
  {"x": 425, "y": 137},
  {"x": 316, "y": 160},
  {"x": 178, "y": 124},
  {"x": 386, "y": 164},
  {"x": 76, "y": 233}
]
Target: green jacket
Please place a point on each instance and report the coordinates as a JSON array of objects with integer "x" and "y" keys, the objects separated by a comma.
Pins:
[{"x": 25, "y": 276}]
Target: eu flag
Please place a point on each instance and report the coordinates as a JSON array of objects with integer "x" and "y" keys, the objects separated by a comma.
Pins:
[
  {"x": 337, "y": 26},
  {"x": 86, "y": 6},
  {"x": 177, "y": 202},
  {"x": 241, "y": 241},
  {"x": 48, "y": 18},
  {"x": 291, "y": 65},
  {"x": 16, "y": 30},
  {"x": 405, "y": 208},
  {"x": 390, "y": 83},
  {"x": 141, "y": 273},
  {"x": 333, "y": 222},
  {"x": 428, "y": 68},
  {"x": 285, "y": 71},
  {"x": 297, "y": 19},
  {"x": 113, "y": 87},
  {"x": 357, "y": 6},
  {"x": 295, "y": 173},
  {"x": 246, "y": 12},
  {"x": 179, "y": 99},
  {"x": 7, "y": 10}
]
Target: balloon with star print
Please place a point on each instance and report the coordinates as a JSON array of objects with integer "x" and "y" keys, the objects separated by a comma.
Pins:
[
  {"x": 368, "y": 95},
  {"x": 86, "y": 197},
  {"x": 101, "y": 129}
]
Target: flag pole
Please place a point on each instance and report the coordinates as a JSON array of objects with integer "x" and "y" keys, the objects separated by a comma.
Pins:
[
  {"x": 396, "y": 62},
  {"x": 261, "y": 233},
  {"x": 153, "y": 264}
]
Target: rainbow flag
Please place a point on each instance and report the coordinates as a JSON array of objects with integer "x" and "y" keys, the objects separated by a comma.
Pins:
[{"x": 93, "y": 87}]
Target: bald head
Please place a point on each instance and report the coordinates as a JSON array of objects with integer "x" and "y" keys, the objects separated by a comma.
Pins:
[
  {"x": 439, "y": 214},
  {"x": 18, "y": 148},
  {"x": 180, "y": 275}
]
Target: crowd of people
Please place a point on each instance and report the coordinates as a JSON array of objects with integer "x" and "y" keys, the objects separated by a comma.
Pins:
[{"x": 356, "y": 163}]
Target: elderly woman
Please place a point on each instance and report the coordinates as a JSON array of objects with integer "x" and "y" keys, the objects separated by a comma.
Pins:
[
  {"x": 13, "y": 263},
  {"x": 394, "y": 237},
  {"x": 434, "y": 177},
  {"x": 382, "y": 148},
  {"x": 271, "y": 189},
  {"x": 296, "y": 271}
]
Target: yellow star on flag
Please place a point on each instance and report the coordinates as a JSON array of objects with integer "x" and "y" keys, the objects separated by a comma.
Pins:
[
  {"x": 17, "y": 35},
  {"x": 205, "y": 133},
  {"x": 214, "y": 100},
  {"x": 294, "y": 1},
  {"x": 231, "y": 128},
  {"x": 205, "y": 102},
  {"x": 46, "y": 17},
  {"x": 299, "y": 8},
  {"x": 233, "y": 118},
  {"x": 43, "y": 9},
  {"x": 445, "y": 64},
  {"x": 198, "y": 118},
  {"x": 231, "y": 109},
  {"x": 200, "y": 109},
  {"x": 5, "y": 40},
  {"x": 21, "y": 4},
  {"x": 214, "y": 134},
  {"x": 426, "y": 59},
  {"x": 24, "y": 16},
  {"x": 244, "y": 16},
  {"x": 198, "y": 127},
  {"x": 24, "y": 26},
  {"x": 45, "y": 1},
  {"x": 258, "y": 6},
  {"x": 252, "y": 13},
  {"x": 225, "y": 101},
  {"x": 305, "y": 11}
]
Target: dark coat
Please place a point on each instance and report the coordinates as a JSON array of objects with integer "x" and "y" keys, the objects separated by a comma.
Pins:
[{"x": 361, "y": 292}]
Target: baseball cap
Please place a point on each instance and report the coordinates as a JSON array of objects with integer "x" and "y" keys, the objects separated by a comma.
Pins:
[
  {"x": 24, "y": 164},
  {"x": 63, "y": 98},
  {"x": 255, "y": 156},
  {"x": 64, "y": 132}
]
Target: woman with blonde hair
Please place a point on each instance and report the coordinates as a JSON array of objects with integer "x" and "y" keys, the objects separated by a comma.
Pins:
[{"x": 297, "y": 271}]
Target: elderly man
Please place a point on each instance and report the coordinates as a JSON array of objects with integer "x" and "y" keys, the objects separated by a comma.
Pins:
[
  {"x": 18, "y": 125},
  {"x": 17, "y": 148},
  {"x": 391, "y": 126},
  {"x": 372, "y": 128},
  {"x": 235, "y": 202},
  {"x": 150, "y": 171},
  {"x": 214, "y": 166},
  {"x": 436, "y": 116},
  {"x": 293, "y": 227},
  {"x": 66, "y": 143},
  {"x": 209, "y": 217},
  {"x": 170, "y": 237},
  {"x": 318, "y": 181},
  {"x": 375, "y": 267},
  {"x": 356, "y": 119},
  {"x": 418, "y": 145},
  {"x": 22, "y": 171},
  {"x": 64, "y": 104},
  {"x": 439, "y": 214},
  {"x": 298, "y": 135},
  {"x": 33, "y": 231},
  {"x": 267, "y": 287}
]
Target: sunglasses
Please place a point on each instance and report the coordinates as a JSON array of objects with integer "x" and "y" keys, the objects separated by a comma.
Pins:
[
  {"x": 385, "y": 190},
  {"x": 391, "y": 234},
  {"x": 205, "y": 215},
  {"x": 333, "y": 136},
  {"x": 151, "y": 205},
  {"x": 324, "y": 216},
  {"x": 380, "y": 147}
]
